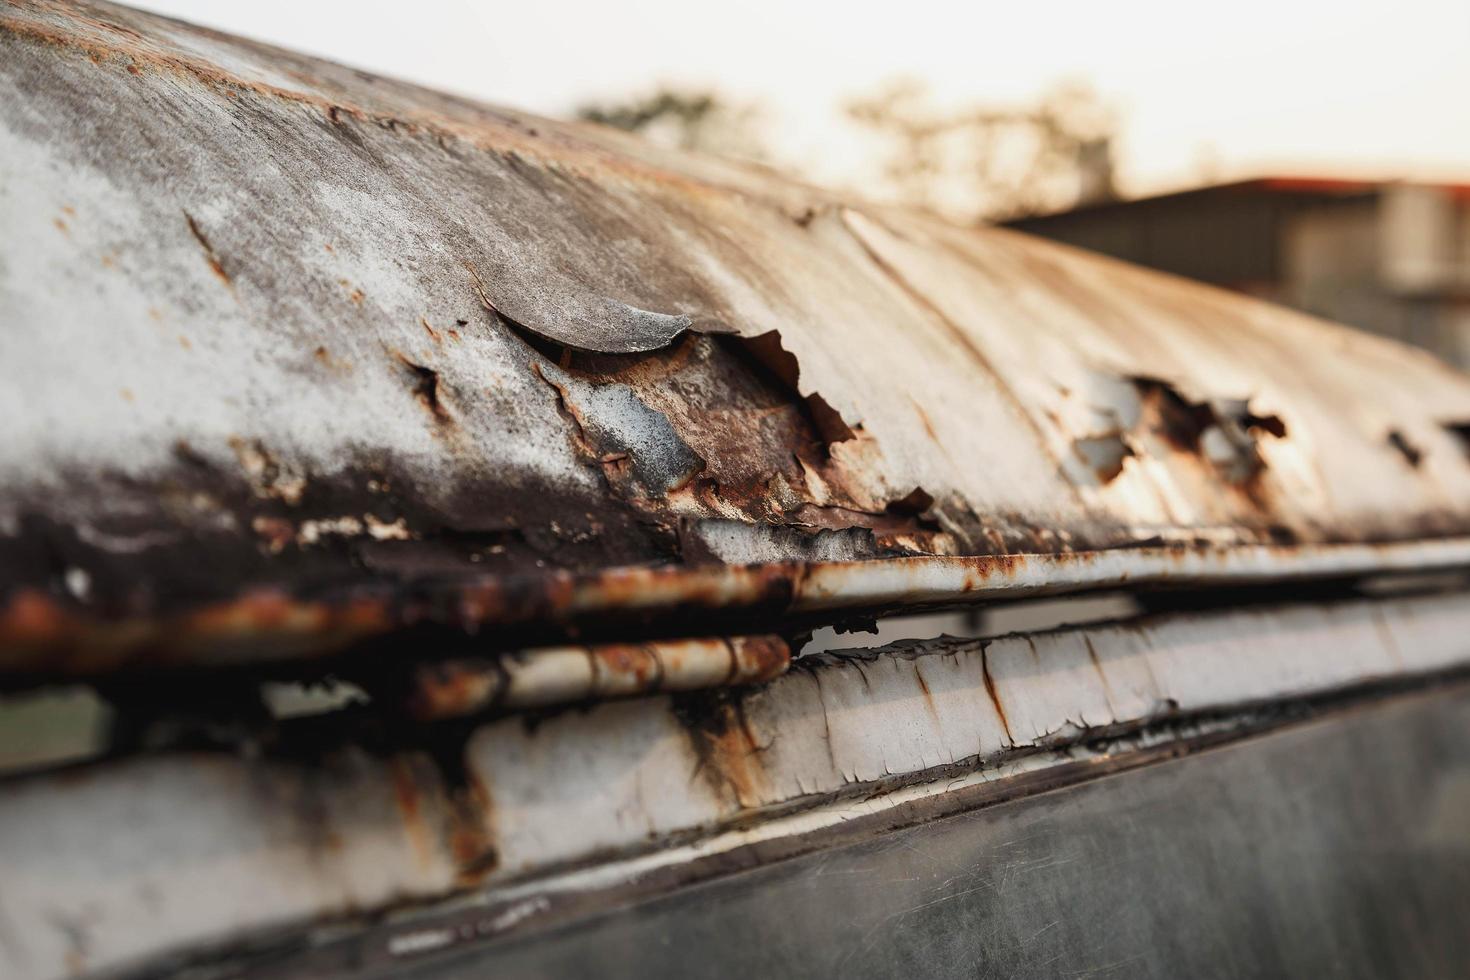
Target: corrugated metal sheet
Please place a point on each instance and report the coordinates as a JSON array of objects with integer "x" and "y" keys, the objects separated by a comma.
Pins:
[{"x": 307, "y": 355}]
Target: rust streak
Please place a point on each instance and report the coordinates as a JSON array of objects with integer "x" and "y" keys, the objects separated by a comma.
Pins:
[
  {"x": 210, "y": 255},
  {"x": 990, "y": 690}
]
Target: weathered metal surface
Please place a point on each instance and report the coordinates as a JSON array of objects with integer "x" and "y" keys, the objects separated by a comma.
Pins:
[
  {"x": 273, "y": 327},
  {"x": 1257, "y": 860},
  {"x": 40, "y": 637},
  {"x": 107, "y": 865},
  {"x": 566, "y": 675}
]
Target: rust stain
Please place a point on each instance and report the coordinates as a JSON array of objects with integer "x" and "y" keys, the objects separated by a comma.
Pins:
[
  {"x": 406, "y": 794},
  {"x": 757, "y": 659},
  {"x": 1097, "y": 665},
  {"x": 731, "y": 756},
  {"x": 1000, "y": 711},
  {"x": 924, "y": 689},
  {"x": 210, "y": 255},
  {"x": 925, "y": 421},
  {"x": 454, "y": 689},
  {"x": 472, "y": 842},
  {"x": 626, "y": 663},
  {"x": 424, "y": 383},
  {"x": 1411, "y": 453}
]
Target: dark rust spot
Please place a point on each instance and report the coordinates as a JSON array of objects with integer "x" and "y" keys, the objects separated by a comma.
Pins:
[
  {"x": 1097, "y": 665},
  {"x": 1180, "y": 421},
  {"x": 915, "y": 502},
  {"x": 454, "y": 689},
  {"x": 1411, "y": 453},
  {"x": 767, "y": 350},
  {"x": 424, "y": 383}
]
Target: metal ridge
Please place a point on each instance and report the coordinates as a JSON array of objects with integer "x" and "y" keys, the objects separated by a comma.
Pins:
[{"x": 40, "y": 636}]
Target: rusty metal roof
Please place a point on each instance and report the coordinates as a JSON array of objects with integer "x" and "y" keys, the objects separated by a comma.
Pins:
[{"x": 294, "y": 355}]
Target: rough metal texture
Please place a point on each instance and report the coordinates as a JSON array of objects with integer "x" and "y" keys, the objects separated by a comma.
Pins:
[
  {"x": 108, "y": 865},
  {"x": 1337, "y": 850},
  {"x": 273, "y": 332}
]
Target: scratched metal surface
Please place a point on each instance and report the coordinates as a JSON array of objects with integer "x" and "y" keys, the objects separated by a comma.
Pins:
[
  {"x": 274, "y": 332},
  {"x": 1337, "y": 850}
]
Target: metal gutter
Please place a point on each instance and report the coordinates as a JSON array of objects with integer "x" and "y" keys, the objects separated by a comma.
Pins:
[{"x": 41, "y": 638}]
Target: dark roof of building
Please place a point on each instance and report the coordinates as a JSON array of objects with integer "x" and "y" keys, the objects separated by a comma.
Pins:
[{"x": 1287, "y": 185}]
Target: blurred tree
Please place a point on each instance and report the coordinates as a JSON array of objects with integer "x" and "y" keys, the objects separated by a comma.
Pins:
[
  {"x": 982, "y": 162},
  {"x": 976, "y": 163},
  {"x": 686, "y": 120}
]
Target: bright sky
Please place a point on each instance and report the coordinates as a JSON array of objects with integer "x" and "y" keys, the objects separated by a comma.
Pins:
[{"x": 1255, "y": 85}]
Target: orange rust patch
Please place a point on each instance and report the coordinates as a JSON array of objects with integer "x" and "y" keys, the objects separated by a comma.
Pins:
[
  {"x": 453, "y": 689},
  {"x": 732, "y": 756},
  {"x": 32, "y": 617},
  {"x": 629, "y": 660},
  {"x": 757, "y": 659}
]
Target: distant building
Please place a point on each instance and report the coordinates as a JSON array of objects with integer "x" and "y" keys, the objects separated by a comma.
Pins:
[{"x": 1391, "y": 258}]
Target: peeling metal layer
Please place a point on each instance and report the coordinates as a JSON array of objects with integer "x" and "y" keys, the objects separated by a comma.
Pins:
[
  {"x": 271, "y": 325},
  {"x": 107, "y": 865}
]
